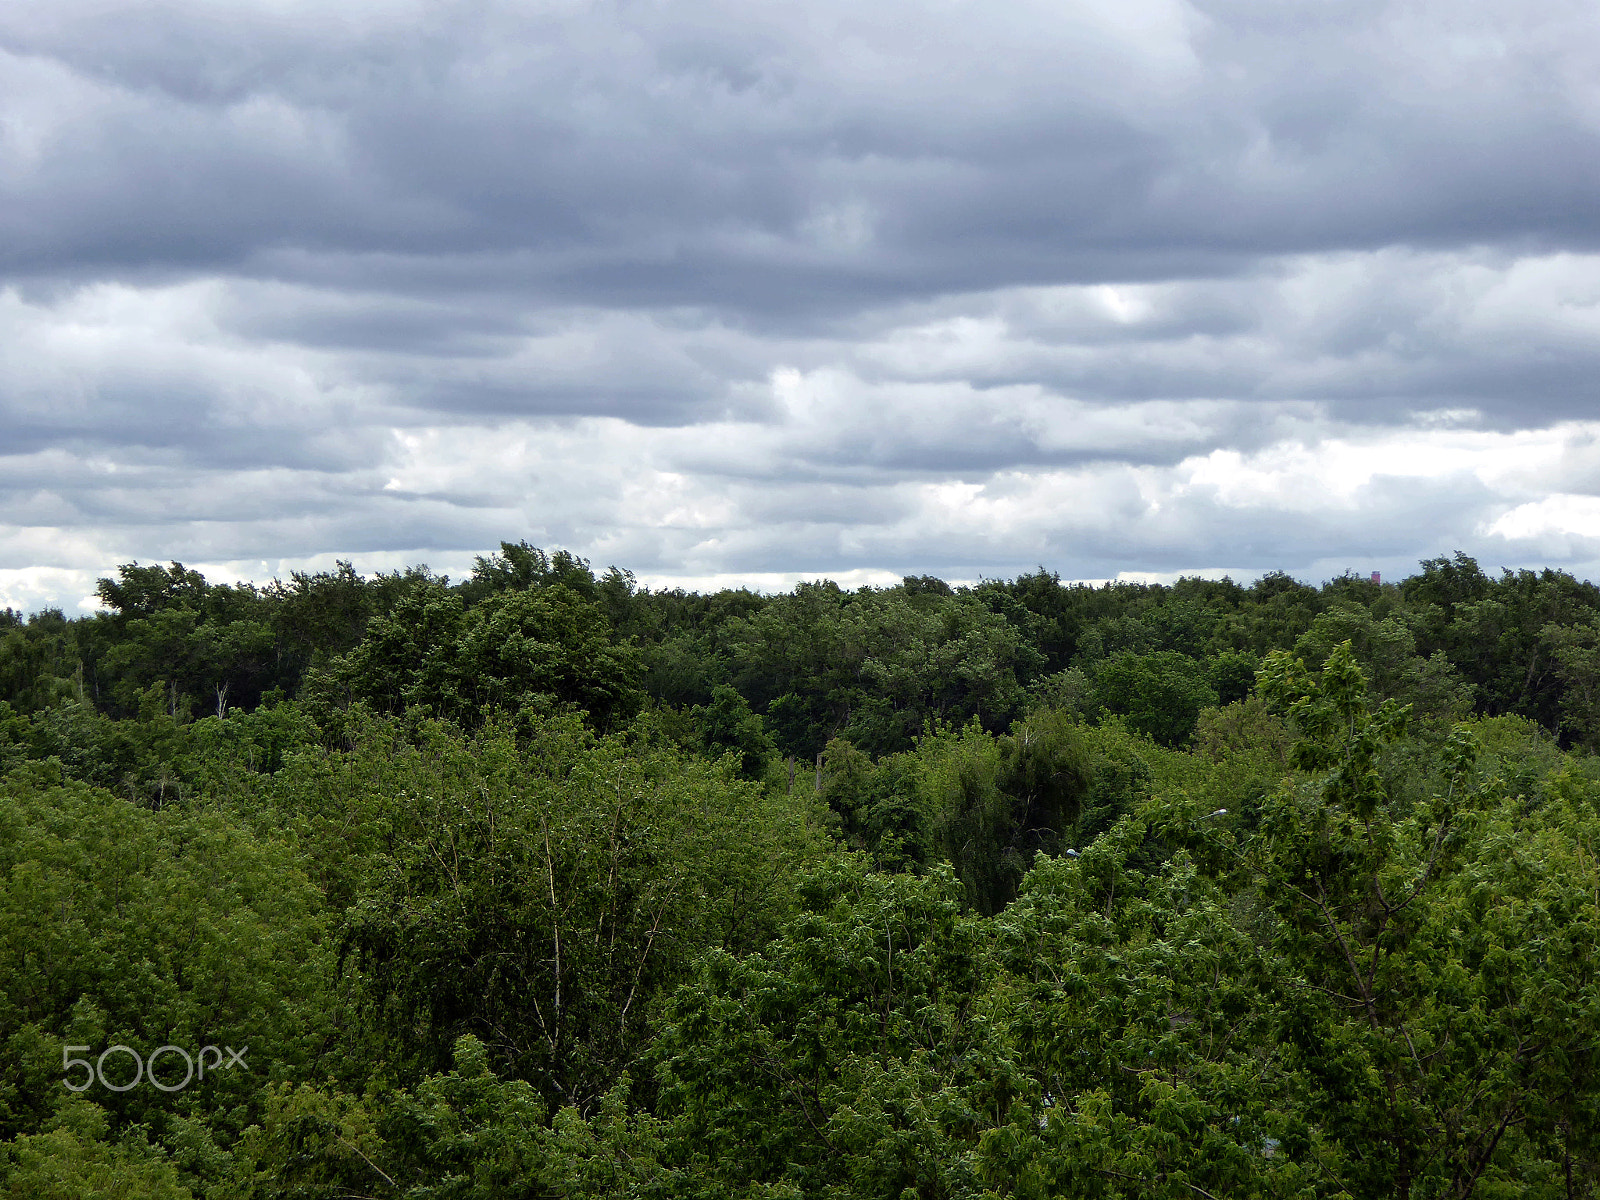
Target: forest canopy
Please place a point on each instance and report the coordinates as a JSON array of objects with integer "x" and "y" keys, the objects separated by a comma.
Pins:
[{"x": 543, "y": 884}]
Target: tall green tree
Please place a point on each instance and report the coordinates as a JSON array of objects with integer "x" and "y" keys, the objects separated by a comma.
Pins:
[{"x": 543, "y": 896}]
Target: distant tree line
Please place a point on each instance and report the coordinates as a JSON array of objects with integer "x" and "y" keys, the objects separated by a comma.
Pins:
[{"x": 871, "y": 666}]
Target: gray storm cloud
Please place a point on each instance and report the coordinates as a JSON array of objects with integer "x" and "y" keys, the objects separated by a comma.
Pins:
[{"x": 720, "y": 290}]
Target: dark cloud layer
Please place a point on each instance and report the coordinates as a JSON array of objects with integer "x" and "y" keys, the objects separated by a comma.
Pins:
[{"x": 685, "y": 153}]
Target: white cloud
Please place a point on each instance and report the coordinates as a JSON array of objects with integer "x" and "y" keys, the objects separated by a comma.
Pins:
[{"x": 1558, "y": 522}]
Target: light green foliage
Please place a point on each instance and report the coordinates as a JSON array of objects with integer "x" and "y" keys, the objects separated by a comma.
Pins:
[
  {"x": 314, "y": 1142},
  {"x": 119, "y": 925},
  {"x": 1439, "y": 947},
  {"x": 1101, "y": 1038},
  {"x": 1245, "y": 727},
  {"x": 72, "y": 1158},
  {"x": 465, "y": 1135},
  {"x": 1239, "y": 760},
  {"x": 1338, "y": 733},
  {"x": 1145, "y": 1020},
  {"x": 853, "y": 1057},
  {"x": 1065, "y": 691}
]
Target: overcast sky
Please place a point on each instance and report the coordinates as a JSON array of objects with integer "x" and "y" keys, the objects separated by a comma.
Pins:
[{"x": 727, "y": 291}]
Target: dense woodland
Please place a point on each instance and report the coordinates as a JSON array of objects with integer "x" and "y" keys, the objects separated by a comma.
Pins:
[{"x": 540, "y": 884}]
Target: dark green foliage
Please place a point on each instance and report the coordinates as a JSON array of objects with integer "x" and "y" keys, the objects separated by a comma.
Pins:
[
  {"x": 799, "y": 723},
  {"x": 1161, "y": 694},
  {"x": 729, "y": 727},
  {"x": 1446, "y": 582},
  {"x": 874, "y": 666},
  {"x": 1232, "y": 675},
  {"x": 540, "y": 897},
  {"x": 877, "y": 805},
  {"x": 991, "y": 805},
  {"x": 542, "y": 647},
  {"x": 317, "y": 617},
  {"x": 1047, "y": 766},
  {"x": 144, "y": 591},
  {"x": 925, "y": 585},
  {"x": 1575, "y": 650}
]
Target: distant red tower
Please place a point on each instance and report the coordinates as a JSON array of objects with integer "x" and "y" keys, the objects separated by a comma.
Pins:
[{"x": 1376, "y": 578}]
